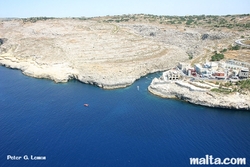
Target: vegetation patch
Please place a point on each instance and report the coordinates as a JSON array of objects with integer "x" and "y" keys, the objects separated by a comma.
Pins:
[
  {"x": 190, "y": 56},
  {"x": 221, "y": 90},
  {"x": 236, "y": 22},
  {"x": 35, "y": 19},
  {"x": 236, "y": 47},
  {"x": 244, "y": 85},
  {"x": 217, "y": 57}
]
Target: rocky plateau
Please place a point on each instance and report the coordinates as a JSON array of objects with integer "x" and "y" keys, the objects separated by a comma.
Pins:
[
  {"x": 109, "y": 55},
  {"x": 183, "y": 90}
]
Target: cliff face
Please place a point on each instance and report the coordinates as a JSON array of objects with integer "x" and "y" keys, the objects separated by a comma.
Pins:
[
  {"x": 109, "y": 55},
  {"x": 103, "y": 54},
  {"x": 202, "y": 97}
]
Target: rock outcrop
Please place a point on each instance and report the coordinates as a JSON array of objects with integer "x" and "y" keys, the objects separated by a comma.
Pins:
[
  {"x": 103, "y": 54},
  {"x": 194, "y": 41},
  {"x": 109, "y": 55},
  {"x": 188, "y": 92}
]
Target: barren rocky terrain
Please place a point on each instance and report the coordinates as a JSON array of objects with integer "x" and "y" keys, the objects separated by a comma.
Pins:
[{"x": 109, "y": 54}]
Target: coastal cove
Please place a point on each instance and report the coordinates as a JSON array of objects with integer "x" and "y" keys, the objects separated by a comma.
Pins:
[
  {"x": 114, "y": 51},
  {"x": 193, "y": 93},
  {"x": 120, "y": 127}
]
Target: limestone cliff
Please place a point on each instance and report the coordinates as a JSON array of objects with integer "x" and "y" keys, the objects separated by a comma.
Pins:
[
  {"x": 184, "y": 91},
  {"x": 109, "y": 55},
  {"x": 106, "y": 55}
]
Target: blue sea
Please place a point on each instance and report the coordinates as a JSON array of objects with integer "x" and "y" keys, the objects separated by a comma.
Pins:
[{"x": 126, "y": 127}]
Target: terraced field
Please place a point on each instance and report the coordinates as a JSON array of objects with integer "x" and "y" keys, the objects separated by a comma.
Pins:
[
  {"x": 109, "y": 54},
  {"x": 99, "y": 53}
]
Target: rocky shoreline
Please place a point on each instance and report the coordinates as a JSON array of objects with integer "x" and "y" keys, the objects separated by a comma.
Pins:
[
  {"x": 183, "y": 90},
  {"x": 106, "y": 55},
  {"x": 109, "y": 55}
]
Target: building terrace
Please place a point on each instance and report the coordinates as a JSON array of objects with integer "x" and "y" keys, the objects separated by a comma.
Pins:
[{"x": 220, "y": 70}]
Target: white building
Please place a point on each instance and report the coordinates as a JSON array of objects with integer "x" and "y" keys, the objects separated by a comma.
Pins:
[
  {"x": 214, "y": 65},
  {"x": 238, "y": 63},
  {"x": 171, "y": 75},
  {"x": 184, "y": 66},
  {"x": 199, "y": 69},
  {"x": 244, "y": 73},
  {"x": 239, "y": 68}
]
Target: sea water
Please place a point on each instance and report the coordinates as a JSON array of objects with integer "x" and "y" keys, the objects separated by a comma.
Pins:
[{"x": 125, "y": 127}]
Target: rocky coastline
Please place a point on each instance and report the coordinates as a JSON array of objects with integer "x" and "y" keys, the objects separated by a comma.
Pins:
[
  {"x": 200, "y": 95},
  {"x": 106, "y": 55},
  {"x": 94, "y": 51}
]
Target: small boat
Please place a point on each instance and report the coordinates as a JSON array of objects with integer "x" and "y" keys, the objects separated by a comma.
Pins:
[
  {"x": 138, "y": 87},
  {"x": 86, "y": 105}
]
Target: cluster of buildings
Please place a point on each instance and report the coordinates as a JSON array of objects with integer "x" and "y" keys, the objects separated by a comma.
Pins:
[{"x": 230, "y": 69}]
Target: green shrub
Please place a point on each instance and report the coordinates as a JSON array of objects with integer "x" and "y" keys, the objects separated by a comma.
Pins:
[
  {"x": 190, "y": 56},
  {"x": 221, "y": 90},
  {"x": 189, "y": 22},
  {"x": 217, "y": 57},
  {"x": 236, "y": 47},
  {"x": 244, "y": 84},
  {"x": 224, "y": 50}
]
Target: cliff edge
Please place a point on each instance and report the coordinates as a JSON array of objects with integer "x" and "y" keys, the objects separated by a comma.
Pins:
[
  {"x": 110, "y": 52},
  {"x": 107, "y": 55},
  {"x": 199, "y": 93}
]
